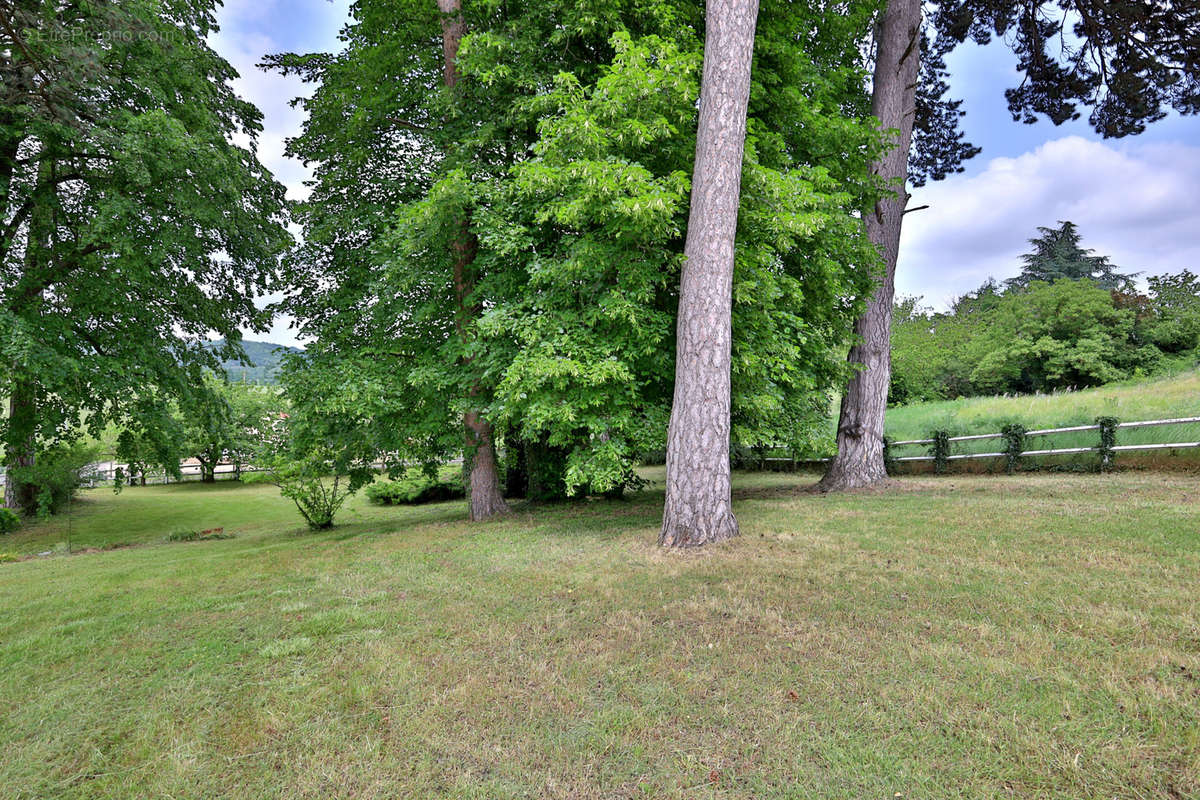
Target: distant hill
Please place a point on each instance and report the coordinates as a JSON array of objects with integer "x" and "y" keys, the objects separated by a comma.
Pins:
[{"x": 265, "y": 358}]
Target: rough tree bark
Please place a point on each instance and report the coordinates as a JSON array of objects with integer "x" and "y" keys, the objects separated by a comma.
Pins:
[
  {"x": 20, "y": 429},
  {"x": 485, "y": 492},
  {"x": 698, "y": 507},
  {"x": 859, "y": 459},
  {"x": 19, "y": 447}
]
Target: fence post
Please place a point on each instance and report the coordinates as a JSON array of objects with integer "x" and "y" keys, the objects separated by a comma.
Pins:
[
  {"x": 1108, "y": 438},
  {"x": 940, "y": 450},
  {"x": 1014, "y": 445}
]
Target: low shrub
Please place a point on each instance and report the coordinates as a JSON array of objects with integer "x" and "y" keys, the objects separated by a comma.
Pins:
[
  {"x": 415, "y": 488},
  {"x": 9, "y": 521},
  {"x": 8, "y": 558},
  {"x": 55, "y": 475},
  {"x": 212, "y": 534}
]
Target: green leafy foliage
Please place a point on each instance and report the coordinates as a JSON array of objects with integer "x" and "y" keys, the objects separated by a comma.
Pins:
[
  {"x": 322, "y": 451},
  {"x": 940, "y": 450},
  {"x": 227, "y": 422},
  {"x": 1068, "y": 333},
  {"x": 415, "y": 488},
  {"x": 55, "y": 475},
  {"x": 1044, "y": 337},
  {"x": 307, "y": 482},
  {"x": 1057, "y": 255},
  {"x": 1014, "y": 445},
  {"x": 137, "y": 218},
  {"x": 1108, "y": 439},
  {"x": 154, "y": 436},
  {"x": 9, "y": 521},
  {"x": 566, "y": 147},
  {"x": 1175, "y": 302}
]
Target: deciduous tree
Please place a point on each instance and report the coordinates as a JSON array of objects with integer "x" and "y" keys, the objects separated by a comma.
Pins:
[{"x": 132, "y": 222}]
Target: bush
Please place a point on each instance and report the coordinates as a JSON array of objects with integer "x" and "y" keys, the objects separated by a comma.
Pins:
[
  {"x": 415, "y": 488},
  {"x": 55, "y": 475},
  {"x": 211, "y": 534},
  {"x": 9, "y": 521},
  {"x": 8, "y": 558},
  {"x": 318, "y": 496}
]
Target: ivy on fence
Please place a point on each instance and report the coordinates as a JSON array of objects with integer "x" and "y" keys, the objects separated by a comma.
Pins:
[
  {"x": 940, "y": 450},
  {"x": 889, "y": 459},
  {"x": 1108, "y": 439},
  {"x": 1014, "y": 445}
]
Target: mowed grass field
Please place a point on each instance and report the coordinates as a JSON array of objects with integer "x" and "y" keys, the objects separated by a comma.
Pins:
[
  {"x": 148, "y": 514},
  {"x": 960, "y": 637}
]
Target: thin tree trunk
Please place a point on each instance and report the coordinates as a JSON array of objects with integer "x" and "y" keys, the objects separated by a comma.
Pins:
[
  {"x": 19, "y": 495},
  {"x": 485, "y": 493},
  {"x": 698, "y": 507},
  {"x": 859, "y": 459}
]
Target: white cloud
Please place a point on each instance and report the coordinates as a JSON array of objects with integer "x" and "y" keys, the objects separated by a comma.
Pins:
[
  {"x": 1135, "y": 203},
  {"x": 251, "y": 29}
]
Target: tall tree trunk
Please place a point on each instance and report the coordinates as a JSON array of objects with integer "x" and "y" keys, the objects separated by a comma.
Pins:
[
  {"x": 21, "y": 425},
  {"x": 698, "y": 507},
  {"x": 20, "y": 430},
  {"x": 859, "y": 459},
  {"x": 485, "y": 492}
]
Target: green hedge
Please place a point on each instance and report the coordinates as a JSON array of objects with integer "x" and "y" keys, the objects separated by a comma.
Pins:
[{"x": 415, "y": 488}]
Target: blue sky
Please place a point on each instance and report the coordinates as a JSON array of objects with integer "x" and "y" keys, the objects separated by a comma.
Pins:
[{"x": 1134, "y": 199}]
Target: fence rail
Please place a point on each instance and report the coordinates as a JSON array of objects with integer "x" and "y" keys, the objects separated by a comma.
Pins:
[
  {"x": 1054, "y": 451},
  {"x": 1047, "y": 431}
]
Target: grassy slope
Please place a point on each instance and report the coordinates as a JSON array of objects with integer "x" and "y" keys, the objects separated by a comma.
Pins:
[
  {"x": 146, "y": 514},
  {"x": 936, "y": 641},
  {"x": 1176, "y": 396}
]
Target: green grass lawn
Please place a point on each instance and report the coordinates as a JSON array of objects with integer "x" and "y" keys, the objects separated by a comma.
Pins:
[
  {"x": 147, "y": 514},
  {"x": 963, "y": 637}
]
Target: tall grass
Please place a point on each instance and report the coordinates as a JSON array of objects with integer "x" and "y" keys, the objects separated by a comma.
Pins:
[{"x": 1175, "y": 396}]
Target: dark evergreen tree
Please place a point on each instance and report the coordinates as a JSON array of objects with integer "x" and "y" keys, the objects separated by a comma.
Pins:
[
  {"x": 1130, "y": 62},
  {"x": 1057, "y": 255}
]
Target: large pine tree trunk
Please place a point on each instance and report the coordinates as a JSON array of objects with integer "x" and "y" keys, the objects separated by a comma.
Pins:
[
  {"x": 859, "y": 459},
  {"x": 485, "y": 492},
  {"x": 19, "y": 446},
  {"x": 698, "y": 507}
]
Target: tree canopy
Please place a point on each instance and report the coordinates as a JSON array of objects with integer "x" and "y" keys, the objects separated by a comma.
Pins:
[
  {"x": 1130, "y": 63},
  {"x": 571, "y": 163},
  {"x": 137, "y": 219}
]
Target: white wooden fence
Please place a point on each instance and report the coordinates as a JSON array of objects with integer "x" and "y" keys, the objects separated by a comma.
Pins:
[
  {"x": 1057, "y": 451},
  {"x": 1048, "y": 451}
]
